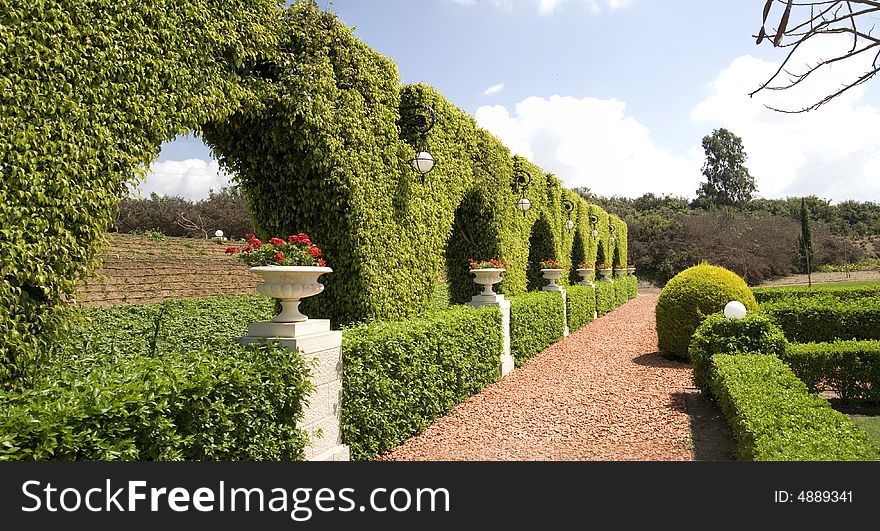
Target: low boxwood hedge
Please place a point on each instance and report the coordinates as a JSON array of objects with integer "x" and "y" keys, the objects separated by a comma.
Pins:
[
  {"x": 605, "y": 301},
  {"x": 824, "y": 319},
  {"x": 537, "y": 321},
  {"x": 851, "y": 368},
  {"x": 632, "y": 284},
  {"x": 788, "y": 292},
  {"x": 231, "y": 404},
  {"x": 719, "y": 335},
  {"x": 774, "y": 417},
  {"x": 400, "y": 376},
  {"x": 161, "y": 382},
  {"x": 581, "y": 306},
  {"x": 621, "y": 291}
]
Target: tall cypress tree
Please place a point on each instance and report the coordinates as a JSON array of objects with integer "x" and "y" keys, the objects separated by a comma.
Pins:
[{"x": 806, "y": 241}]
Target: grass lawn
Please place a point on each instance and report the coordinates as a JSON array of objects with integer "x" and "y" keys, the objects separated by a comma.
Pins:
[{"x": 870, "y": 424}]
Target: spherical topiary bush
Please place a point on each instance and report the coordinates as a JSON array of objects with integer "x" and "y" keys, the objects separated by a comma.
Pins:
[{"x": 690, "y": 296}]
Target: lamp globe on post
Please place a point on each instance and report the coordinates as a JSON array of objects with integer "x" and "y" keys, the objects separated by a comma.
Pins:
[
  {"x": 521, "y": 180},
  {"x": 423, "y": 163},
  {"x": 735, "y": 310},
  {"x": 568, "y": 205},
  {"x": 420, "y": 119}
]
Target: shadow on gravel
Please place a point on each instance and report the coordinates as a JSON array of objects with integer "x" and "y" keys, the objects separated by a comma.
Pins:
[
  {"x": 710, "y": 436},
  {"x": 660, "y": 359}
]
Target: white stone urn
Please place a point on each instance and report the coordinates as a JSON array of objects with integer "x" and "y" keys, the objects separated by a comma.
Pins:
[
  {"x": 630, "y": 271},
  {"x": 586, "y": 274},
  {"x": 619, "y": 272},
  {"x": 487, "y": 277},
  {"x": 606, "y": 274},
  {"x": 290, "y": 284},
  {"x": 552, "y": 275}
]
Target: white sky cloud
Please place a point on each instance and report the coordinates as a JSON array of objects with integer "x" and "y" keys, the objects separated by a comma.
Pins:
[
  {"x": 191, "y": 179},
  {"x": 494, "y": 89},
  {"x": 832, "y": 152},
  {"x": 593, "y": 143}
]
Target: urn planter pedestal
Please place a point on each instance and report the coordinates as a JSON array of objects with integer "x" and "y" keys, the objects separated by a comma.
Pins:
[
  {"x": 488, "y": 277},
  {"x": 586, "y": 276},
  {"x": 552, "y": 275}
]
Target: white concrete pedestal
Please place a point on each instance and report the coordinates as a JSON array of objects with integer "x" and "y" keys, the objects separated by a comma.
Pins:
[
  {"x": 323, "y": 412},
  {"x": 506, "y": 362}
]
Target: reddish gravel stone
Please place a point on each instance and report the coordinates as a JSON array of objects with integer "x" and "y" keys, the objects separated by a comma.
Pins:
[{"x": 603, "y": 393}]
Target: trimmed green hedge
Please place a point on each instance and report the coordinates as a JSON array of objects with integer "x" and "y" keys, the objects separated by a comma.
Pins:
[
  {"x": 719, "y": 335},
  {"x": 192, "y": 393},
  {"x": 401, "y": 376},
  {"x": 774, "y": 417},
  {"x": 852, "y": 368},
  {"x": 605, "y": 301},
  {"x": 621, "y": 291},
  {"x": 844, "y": 293},
  {"x": 581, "y": 306},
  {"x": 632, "y": 284},
  {"x": 537, "y": 321},
  {"x": 818, "y": 320},
  {"x": 193, "y": 324}
]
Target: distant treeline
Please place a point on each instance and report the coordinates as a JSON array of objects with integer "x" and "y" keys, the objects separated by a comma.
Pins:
[
  {"x": 225, "y": 210},
  {"x": 758, "y": 240}
]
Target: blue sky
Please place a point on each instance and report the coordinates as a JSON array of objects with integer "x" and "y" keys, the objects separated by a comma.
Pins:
[{"x": 614, "y": 95}]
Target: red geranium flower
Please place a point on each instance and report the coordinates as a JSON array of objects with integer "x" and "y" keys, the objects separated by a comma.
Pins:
[
  {"x": 279, "y": 257},
  {"x": 277, "y": 242},
  {"x": 247, "y": 249},
  {"x": 321, "y": 262},
  {"x": 231, "y": 250},
  {"x": 256, "y": 243},
  {"x": 315, "y": 252},
  {"x": 249, "y": 236}
]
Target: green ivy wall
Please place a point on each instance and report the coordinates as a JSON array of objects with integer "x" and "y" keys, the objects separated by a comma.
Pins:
[{"x": 304, "y": 114}]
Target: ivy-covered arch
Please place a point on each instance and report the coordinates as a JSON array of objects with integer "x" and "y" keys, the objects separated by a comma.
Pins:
[
  {"x": 91, "y": 89},
  {"x": 307, "y": 117}
]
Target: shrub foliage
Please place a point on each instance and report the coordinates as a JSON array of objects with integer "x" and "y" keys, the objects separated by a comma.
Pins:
[
  {"x": 90, "y": 91},
  {"x": 824, "y": 319},
  {"x": 717, "y": 334},
  {"x": 161, "y": 382},
  {"x": 536, "y": 321},
  {"x": 401, "y": 376},
  {"x": 774, "y": 417},
  {"x": 851, "y": 368},
  {"x": 689, "y": 297}
]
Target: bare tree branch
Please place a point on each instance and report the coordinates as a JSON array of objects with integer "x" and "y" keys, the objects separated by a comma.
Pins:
[{"x": 824, "y": 18}]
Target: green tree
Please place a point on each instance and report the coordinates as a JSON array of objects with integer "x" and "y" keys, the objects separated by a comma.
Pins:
[
  {"x": 805, "y": 242},
  {"x": 728, "y": 182}
]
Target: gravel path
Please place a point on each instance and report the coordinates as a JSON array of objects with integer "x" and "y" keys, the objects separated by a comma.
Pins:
[{"x": 601, "y": 394}]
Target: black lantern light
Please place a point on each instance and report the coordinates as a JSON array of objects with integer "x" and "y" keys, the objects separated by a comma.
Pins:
[
  {"x": 594, "y": 220},
  {"x": 568, "y": 205},
  {"x": 611, "y": 231},
  {"x": 521, "y": 180},
  {"x": 420, "y": 118}
]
